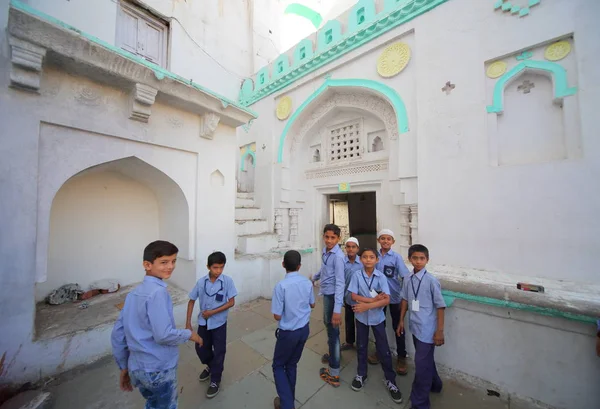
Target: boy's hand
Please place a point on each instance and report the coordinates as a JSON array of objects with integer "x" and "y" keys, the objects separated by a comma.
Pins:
[
  {"x": 380, "y": 296},
  {"x": 196, "y": 338},
  {"x": 314, "y": 283},
  {"x": 438, "y": 338},
  {"x": 207, "y": 314},
  {"x": 360, "y": 307},
  {"x": 125, "y": 381},
  {"x": 400, "y": 329},
  {"x": 336, "y": 319}
]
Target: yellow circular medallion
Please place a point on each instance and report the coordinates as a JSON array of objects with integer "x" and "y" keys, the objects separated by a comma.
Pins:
[
  {"x": 496, "y": 69},
  {"x": 284, "y": 108},
  {"x": 393, "y": 59},
  {"x": 557, "y": 51}
]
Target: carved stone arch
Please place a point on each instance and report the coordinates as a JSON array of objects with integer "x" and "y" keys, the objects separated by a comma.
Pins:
[{"x": 367, "y": 102}]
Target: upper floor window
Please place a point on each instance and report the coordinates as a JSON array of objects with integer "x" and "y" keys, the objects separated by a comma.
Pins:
[{"x": 142, "y": 34}]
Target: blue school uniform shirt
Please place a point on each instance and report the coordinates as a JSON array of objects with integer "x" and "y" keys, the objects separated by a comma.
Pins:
[
  {"x": 292, "y": 299},
  {"x": 361, "y": 284},
  {"x": 392, "y": 266},
  {"x": 332, "y": 276},
  {"x": 145, "y": 337},
  {"x": 212, "y": 296},
  {"x": 428, "y": 290},
  {"x": 349, "y": 269}
]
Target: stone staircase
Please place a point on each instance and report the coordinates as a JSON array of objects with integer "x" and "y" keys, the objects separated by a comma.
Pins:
[{"x": 254, "y": 235}]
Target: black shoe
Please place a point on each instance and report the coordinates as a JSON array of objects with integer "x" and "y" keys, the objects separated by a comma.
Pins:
[
  {"x": 205, "y": 375},
  {"x": 358, "y": 382},
  {"x": 213, "y": 390},
  {"x": 394, "y": 392},
  {"x": 325, "y": 359}
]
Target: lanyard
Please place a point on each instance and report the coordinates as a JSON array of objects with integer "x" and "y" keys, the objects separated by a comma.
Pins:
[
  {"x": 372, "y": 278},
  {"x": 212, "y": 295},
  {"x": 325, "y": 257},
  {"x": 413, "y": 284}
]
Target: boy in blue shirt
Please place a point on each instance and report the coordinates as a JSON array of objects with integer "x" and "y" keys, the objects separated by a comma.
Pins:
[
  {"x": 422, "y": 296},
  {"x": 351, "y": 264},
  {"x": 216, "y": 293},
  {"x": 393, "y": 267},
  {"x": 293, "y": 299},
  {"x": 332, "y": 288},
  {"x": 144, "y": 338},
  {"x": 370, "y": 290}
]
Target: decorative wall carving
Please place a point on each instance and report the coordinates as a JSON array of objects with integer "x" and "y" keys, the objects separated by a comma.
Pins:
[
  {"x": 393, "y": 59},
  {"x": 405, "y": 233},
  {"x": 414, "y": 224},
  {"x": 26, "y": 61},
  {"x": 279, "y": 231},
  {"x": 347, "y": 170},
  {"x": 284, "y": 108},
  {"x": 208, "y": 125},
  {"x": 142, "y": 98},
  {"x": 294, "y": 213},
  {"x": 377, "y": 106}
]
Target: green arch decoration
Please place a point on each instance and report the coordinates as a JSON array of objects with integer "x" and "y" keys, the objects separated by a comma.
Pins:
[
  {"x": 329, "y": 35},
  {"x": 389, "y": 93},
  {"x": 303, "y": 52},
  {"x": 243, "y": 159},
  {"x": 559, "y": 74},
  {"x": 363, "y": 12},
  {"x": 303, "y": 11}
]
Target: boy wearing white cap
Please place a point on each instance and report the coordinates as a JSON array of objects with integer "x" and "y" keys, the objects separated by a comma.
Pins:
[
  {"x": 351, "y": 264},
  {"x": 393, "y": 267}
]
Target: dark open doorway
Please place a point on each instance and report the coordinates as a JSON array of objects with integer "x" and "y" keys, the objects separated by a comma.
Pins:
[{"x": 356, "y": 215}]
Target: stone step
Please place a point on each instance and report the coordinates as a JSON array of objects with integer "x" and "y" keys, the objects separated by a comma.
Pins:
[
  {"x": 252, "y": 213},
  {"x": 239, "y": 202},
  {"x": 245, "y": 195},
  {"x": 29, "y": 400},
  {"x": 248, "y": 227},
  {"x": 256, "y": 243}
]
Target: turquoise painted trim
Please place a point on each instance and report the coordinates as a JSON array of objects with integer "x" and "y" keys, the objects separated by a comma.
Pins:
[
  {"x": 329, "y": 35},
  {"x": 262, "y": 78},
  {"x": 342, "y": 43},
  {"x": 550, "y": 312},
  {"x": 242, "y": 160},
  {"x": 282, "y": 66},
  {"x": 159, "y": 72},
  {"x": 301, "y": 251},
  {"x": 361, "y": 15},
  {"x": 390, "y": 5},
  {"x": 303, "y": 52},
  {"x": 389, "y": 93},
  {"x": 559, "y": 74},
  {"x": 303, "y": 11},
  {"x": 247, "y": 87}
]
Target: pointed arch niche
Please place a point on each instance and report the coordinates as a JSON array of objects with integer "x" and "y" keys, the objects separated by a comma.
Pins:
[
  {"x": 102, "y": 197},
  {"x": 534, "y": 115}
]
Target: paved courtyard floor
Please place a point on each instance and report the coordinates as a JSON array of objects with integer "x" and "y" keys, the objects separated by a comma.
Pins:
[{"x": 248, "y": 377}]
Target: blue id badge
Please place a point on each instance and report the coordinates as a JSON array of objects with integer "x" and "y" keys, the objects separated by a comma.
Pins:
[{"x": 219, "y": 297}]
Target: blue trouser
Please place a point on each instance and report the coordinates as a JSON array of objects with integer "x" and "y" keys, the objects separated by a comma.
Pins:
[
  {"x": 212, "y": 351},
  {"x": 400, "y": 340},
  {"x": 333, "y": 335},
  {"x": 426, "y": 377},
  {"x": 288, "y": 351},
  {"x": 158, "y": 388},
  {"x": 383, "y": 349}
]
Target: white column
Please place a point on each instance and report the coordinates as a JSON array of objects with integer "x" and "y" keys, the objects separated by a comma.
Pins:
[
  {"x": 404, "y": 237},
  {"x": 414, "y": 223}
]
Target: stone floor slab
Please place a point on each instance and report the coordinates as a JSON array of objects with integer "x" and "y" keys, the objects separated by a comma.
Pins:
[
  {"x": 242, "y": 322},
  {"x": 262, "y": 341},
  {"x": 308, "y": 382}
]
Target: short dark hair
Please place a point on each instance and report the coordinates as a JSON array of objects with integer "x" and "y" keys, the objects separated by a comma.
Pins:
[
  {"x": 332, "y": 228},
  {"x": 216, "y": 258},
  {"x": 418, "y": 248},
  {"x": 292, "y": 260},
  {"x": 368, "y": 249},
  {"x": 158, "y": 249}
]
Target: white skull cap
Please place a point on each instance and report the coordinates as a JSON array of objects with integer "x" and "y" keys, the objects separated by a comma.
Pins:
[
  {"x": 353, "y": 240},
  {"x": 387, "y": 232}
]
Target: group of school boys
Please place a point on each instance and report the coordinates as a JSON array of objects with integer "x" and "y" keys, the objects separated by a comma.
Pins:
[{"x": 145, "y": 339}]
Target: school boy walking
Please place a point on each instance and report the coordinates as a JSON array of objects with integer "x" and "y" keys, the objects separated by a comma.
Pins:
[{"x": 293, "y": 299}]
